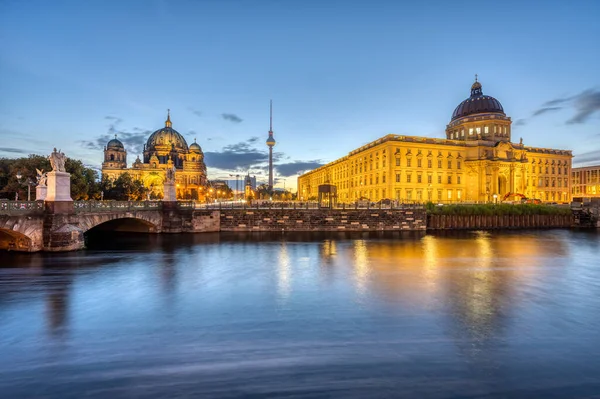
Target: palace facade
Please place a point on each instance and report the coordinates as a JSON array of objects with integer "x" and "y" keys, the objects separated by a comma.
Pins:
[
  {"x": 164, "y": 149},
  {"x": 586, "y": 182},
  {"x": 476, "y": 161}
]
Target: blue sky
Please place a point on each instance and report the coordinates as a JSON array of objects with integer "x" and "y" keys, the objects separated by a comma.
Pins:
[{"x": 340, "y": 73}]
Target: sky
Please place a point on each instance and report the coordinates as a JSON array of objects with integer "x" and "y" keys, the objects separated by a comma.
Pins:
[{"x": 340, "y": 73}]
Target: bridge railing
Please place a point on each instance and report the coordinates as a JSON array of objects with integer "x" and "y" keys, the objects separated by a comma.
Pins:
[
  {"x": 115, "y": 206},
  {"x": 20, "y": 207}
]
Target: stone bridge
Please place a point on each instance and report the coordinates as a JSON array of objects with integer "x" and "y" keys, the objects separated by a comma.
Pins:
[{"x": 36, "y": 225}]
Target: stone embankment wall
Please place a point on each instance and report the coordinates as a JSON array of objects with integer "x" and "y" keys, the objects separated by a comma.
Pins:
[
  {"x": 466, "y": 222},
  {"x": 322, "y": 220}
]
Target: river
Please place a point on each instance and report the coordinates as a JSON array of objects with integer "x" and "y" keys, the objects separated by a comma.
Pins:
[{"x": 365, "y": 315}]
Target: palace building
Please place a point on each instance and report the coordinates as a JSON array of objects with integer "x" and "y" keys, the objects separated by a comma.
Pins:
[
  {"x": 476, "y": 161},
  {"x": 586, "y": 182},
  {"x": 164, "y": 149}
]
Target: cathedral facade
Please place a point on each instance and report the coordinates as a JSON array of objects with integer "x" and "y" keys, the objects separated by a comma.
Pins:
[
  {"x": 164, "y": 149},
  {"x": 476, "y": 162}
]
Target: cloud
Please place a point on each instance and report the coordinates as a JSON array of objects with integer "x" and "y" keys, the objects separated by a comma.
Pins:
[
  {"x": 586, "y": 104},
  {"x": 520, "y": 122},
  {"x": 546, "y": 109},
  {"x": 232, "y": 118},
  {"x": 590, "y": 157},
  {"x": 195, "y": 111},
  {"x": 239, "y": 156},
  {"x": 132, "y": 140},
  {"x": 253, "y": 139},
  {"x": 12, "y": 150},
  {"x": 296, "y": 167}
]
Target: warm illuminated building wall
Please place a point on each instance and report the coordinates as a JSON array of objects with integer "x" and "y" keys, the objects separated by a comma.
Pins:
[
  {"x": 475, "y": 162},
  {"x": 586, "y": 181}
]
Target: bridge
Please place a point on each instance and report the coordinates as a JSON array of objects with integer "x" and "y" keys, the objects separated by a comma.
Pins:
[{"x": 31, "y": 226}]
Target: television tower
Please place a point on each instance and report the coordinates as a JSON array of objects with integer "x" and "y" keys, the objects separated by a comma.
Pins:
[{"x": 271, "y": 143}]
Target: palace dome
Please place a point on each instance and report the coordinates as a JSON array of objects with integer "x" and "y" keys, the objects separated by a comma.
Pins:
[
  {"x": 115, "y": 144},
  {"x": 165, "y": 137},
  {"x": 477, "y": 103}
]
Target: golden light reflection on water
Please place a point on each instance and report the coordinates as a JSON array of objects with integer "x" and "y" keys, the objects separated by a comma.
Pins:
[
  {"x": 361, "y": 265},
  {"x": 283, "y": 272},
  {"x": 431, "y": 264}
]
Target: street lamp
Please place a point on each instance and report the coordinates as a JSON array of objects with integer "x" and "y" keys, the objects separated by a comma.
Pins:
[{"x": 27, "y": 182}]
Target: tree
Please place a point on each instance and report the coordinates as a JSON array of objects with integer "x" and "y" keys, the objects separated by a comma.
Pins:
[{"x": 123, "y": 188}]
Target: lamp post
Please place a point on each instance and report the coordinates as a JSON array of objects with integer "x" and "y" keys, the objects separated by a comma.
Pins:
[{"x": 27, "y": 182}]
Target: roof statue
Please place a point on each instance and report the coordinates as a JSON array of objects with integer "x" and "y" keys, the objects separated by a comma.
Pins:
[{"x": 57, "y": 161}]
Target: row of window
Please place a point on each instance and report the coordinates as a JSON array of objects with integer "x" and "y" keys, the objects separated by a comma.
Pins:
[
  {"x": 429, "y": 163},
  {"x": 498, "y": 130}
]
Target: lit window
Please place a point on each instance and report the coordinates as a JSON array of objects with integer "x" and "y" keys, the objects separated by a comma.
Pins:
[
  {"x": 470, "y": 131},
  {"x": 462, "y": 132},
  {"x": 478, "y": 130},
  {"x": 449, "y": 194},
  {"x": 458, "y": 194},
  {"x": 486, "y": 129}
]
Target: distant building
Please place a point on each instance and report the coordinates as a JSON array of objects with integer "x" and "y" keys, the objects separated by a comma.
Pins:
[
  {"x": 164, "y": 149},
  {"x": 477, "y": 161},
  {"x": 586, "y": 181}
]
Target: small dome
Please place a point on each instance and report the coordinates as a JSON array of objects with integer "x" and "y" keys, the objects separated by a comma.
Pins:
[
  {"x": 477, "y": 103},
  {"x": 115, "y": 144},
  {"x": 195, "y": 147}
]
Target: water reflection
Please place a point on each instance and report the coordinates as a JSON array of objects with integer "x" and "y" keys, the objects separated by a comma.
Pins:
[{"x": 276, "y": 314}]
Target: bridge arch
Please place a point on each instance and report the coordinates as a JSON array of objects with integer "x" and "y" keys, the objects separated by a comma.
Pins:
[{"x": 149, "y": 222}]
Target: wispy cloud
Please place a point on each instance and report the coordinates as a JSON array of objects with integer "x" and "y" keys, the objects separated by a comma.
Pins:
[
  {"x": 586, "y": 104},
  {"x": 520, "y": 122},
  {"x": 590, "y": 157},
  {"x": 297, "y": 167},
  {"x": 132, "y": 140},
  {"x": 13, "y": 150},
  {"x": 545, "y": 110},
  {"x": 239, "y": 156},
  {"x": 195, "y": 111},
  {"x": 232, "y": 118}
]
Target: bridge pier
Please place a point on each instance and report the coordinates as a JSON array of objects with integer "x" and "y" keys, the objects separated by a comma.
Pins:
[{"x": 61, "y": 225}]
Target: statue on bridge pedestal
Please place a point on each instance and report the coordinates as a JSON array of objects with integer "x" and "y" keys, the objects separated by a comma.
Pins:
[
  {"x": 57, "y": 161},
  {"x": 42, "y": 177}
]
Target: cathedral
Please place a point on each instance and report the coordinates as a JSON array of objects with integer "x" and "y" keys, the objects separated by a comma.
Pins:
[
  {"x": 477, "y": 161},
  {"x": 164, "y": 149}
]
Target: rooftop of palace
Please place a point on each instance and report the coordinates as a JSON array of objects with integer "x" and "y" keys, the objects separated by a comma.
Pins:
[{"x": 438, "y": 141}]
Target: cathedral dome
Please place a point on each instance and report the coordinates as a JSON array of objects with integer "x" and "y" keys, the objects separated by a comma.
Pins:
[
  {"x": 477, "y": 103},
  {"x": 115, "y": 144},
  {"x": 165, "y": 137},
  {"x": 195, "y": 147}
]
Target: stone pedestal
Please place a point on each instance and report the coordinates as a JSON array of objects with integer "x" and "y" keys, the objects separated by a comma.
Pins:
[
  {"x": 40, "y": 193},
  {"x": 170, "y": 194},
  {"x": 59, "y": 186}
]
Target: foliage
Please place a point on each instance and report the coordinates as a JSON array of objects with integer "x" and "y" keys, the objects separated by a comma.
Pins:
[
  {"x": 496, "y": 209},
  {"x": 123, "y": 188},
  {"x": 84, "y": 180}
]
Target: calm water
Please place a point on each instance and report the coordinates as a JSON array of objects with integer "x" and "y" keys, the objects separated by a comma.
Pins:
[{"x": 366, "y": 315}]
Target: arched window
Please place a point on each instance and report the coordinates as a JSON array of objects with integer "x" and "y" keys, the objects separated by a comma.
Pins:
[{"x": 112, "y": 157}]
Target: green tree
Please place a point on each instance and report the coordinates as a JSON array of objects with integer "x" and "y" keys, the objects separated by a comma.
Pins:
[{"x": 123, "y": 188}]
